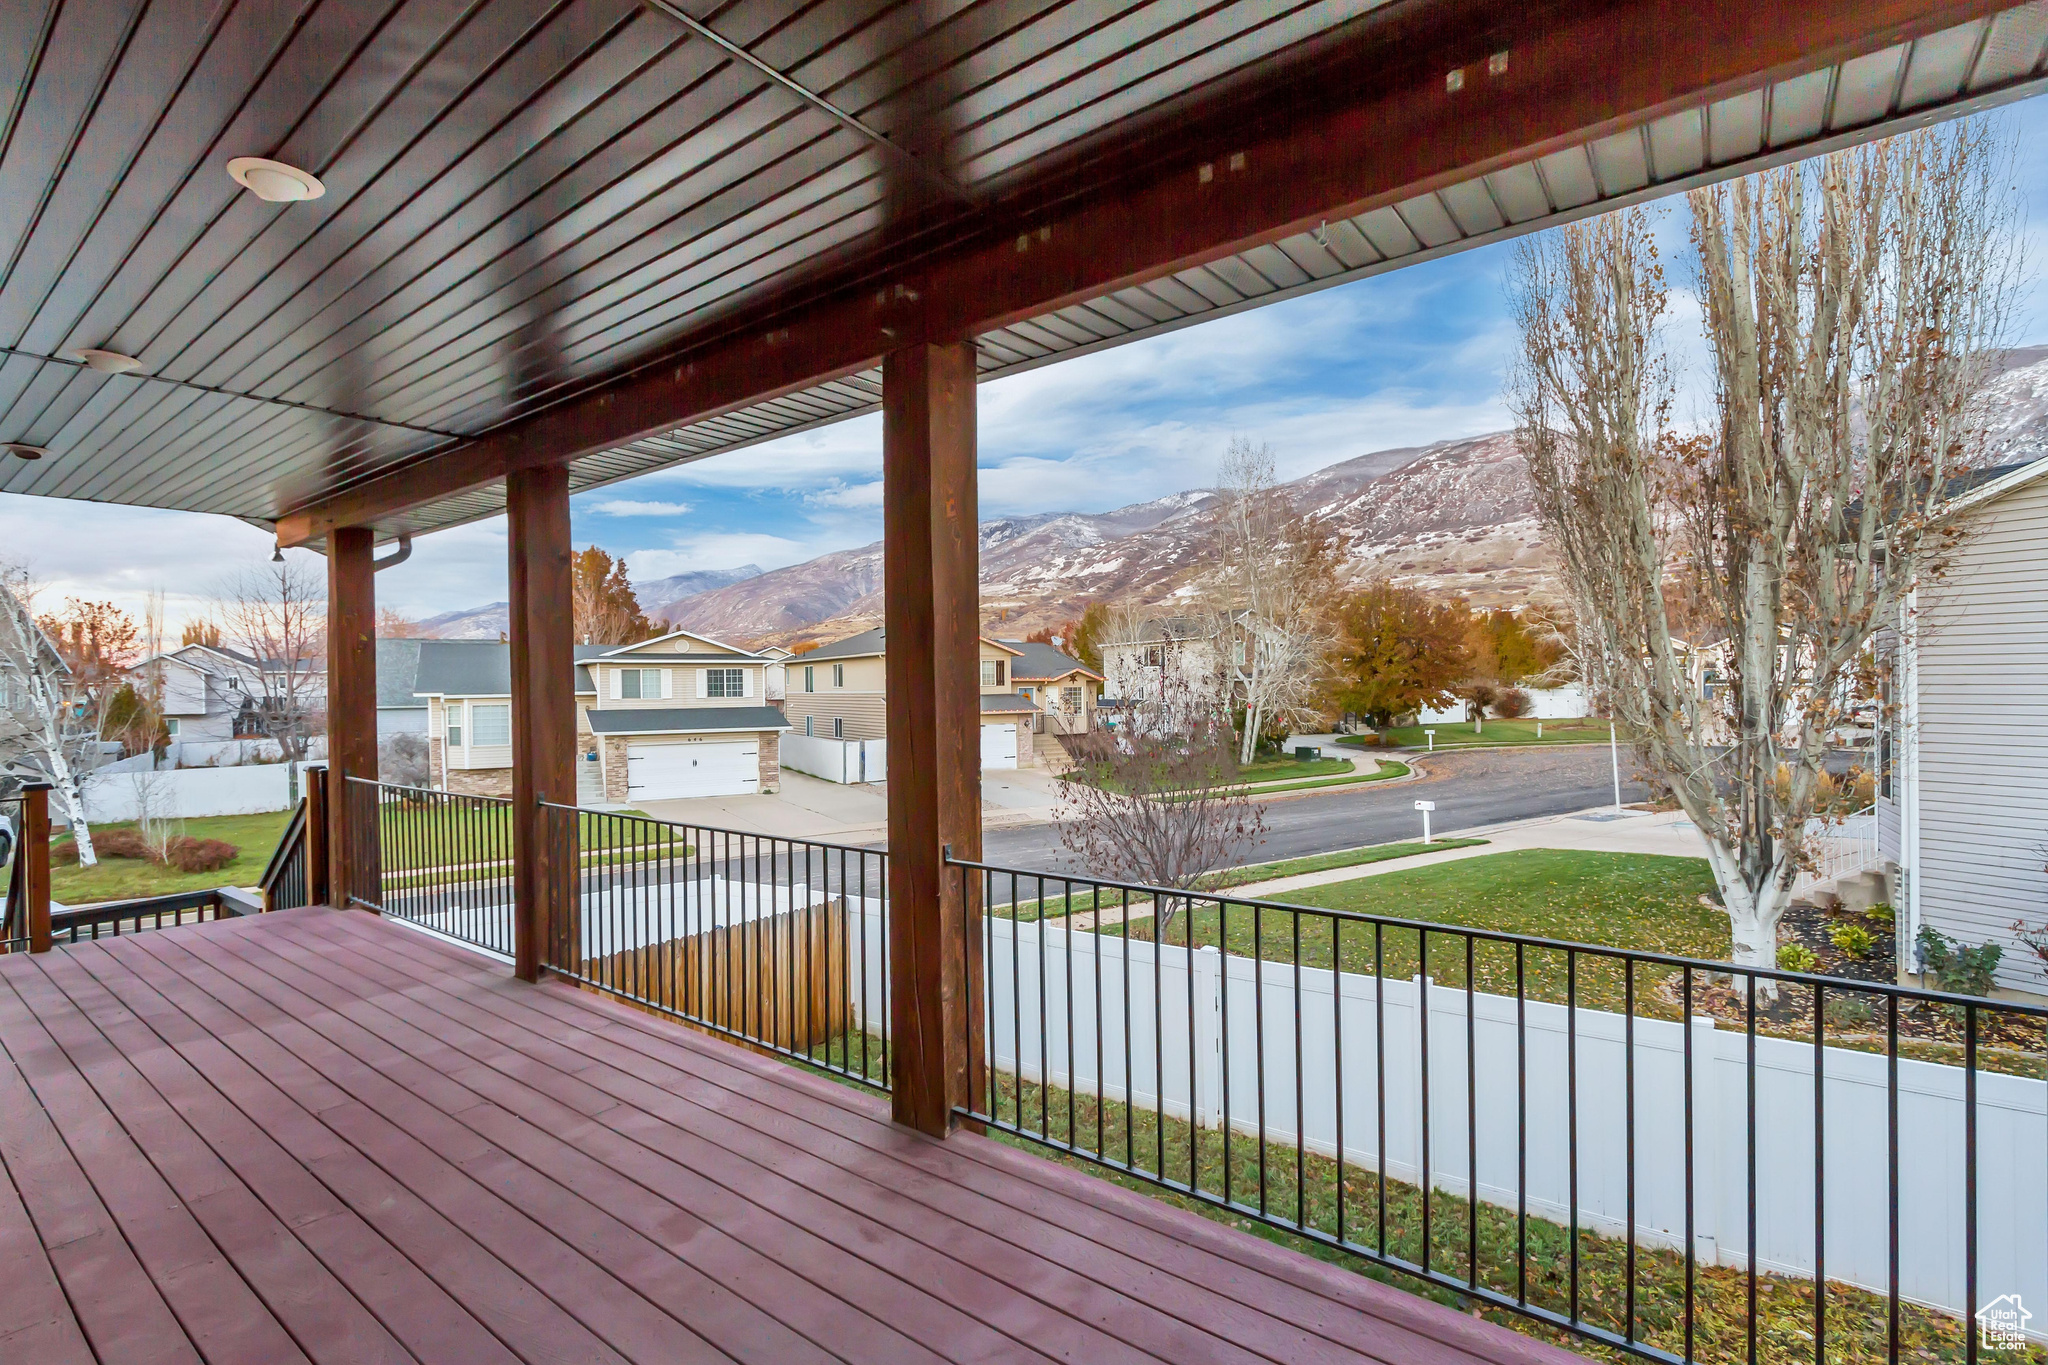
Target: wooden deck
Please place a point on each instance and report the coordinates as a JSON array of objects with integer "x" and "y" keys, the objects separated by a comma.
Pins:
[{"x": 315, "y": 1135}]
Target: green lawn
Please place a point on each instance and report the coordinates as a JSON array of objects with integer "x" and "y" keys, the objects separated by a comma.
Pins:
[
  {"x": 1324, "y": 862},
  {"x": 1459, "y": 734},
  {"x": 414, "y": 838},
  {"x": 1277, "y": 769},
  {"x": 1621, "y": 900},
  {"x": 444, "y": 834},
  {"x": 128, "y": 878},
  {"x": 1388, "y": 770}
]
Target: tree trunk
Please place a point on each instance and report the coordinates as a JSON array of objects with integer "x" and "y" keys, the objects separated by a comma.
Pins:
[
  {"x": 70, "y": 792},
  {"x": 1753, "y": 913}
]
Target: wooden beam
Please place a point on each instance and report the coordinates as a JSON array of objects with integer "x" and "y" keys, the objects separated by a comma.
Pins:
[
  {"x": 543, "y": 716},
  {"x": 352, "y": 843},
  {"x": 1368, "y": 121},
  {"x": 34, "y": 853},
  {"x": 932, "y": 608}
]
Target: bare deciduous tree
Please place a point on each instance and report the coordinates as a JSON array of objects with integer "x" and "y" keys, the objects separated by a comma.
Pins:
[
  {"x": 1266, "y": 600},
  {"x": 50, "y": 716},
  {"x": 1159, "y": 800},
  {"x": 277, "y": 615},
  {"x": 1852, "y": 307}
]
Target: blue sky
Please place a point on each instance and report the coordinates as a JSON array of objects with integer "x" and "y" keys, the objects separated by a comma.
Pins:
[{"x": 1402, "y": 359}]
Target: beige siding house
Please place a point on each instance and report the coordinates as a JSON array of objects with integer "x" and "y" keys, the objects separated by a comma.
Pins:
[
  {"x": 1963, "y": 768},
  {"x": 837, "y": 692},
  {"x": 674, "y": 717}
]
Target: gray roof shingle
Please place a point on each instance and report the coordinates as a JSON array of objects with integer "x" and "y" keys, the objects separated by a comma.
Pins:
[{"x": 481, "y": 668}]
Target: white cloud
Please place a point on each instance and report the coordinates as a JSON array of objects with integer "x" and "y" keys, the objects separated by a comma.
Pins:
[
  {"x": 838, "y": 493},
  {"x": 719, "y": 550},
  {"x": 633, "y": 507}
]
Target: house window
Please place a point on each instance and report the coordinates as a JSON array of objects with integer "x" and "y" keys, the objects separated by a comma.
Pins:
[
  {"x": 838, "y": 727},
  {"x": 991, "y": 672},
  {"x": 810, "y": 679},
  {"x": 725, "y": 682},
  {"x": 455, "y": 729},
  {"x": 492, "y": 724},
  {"x": 640, "y": 684},
  {"x": 1070, "y": 698},
  {"x": 807, "y": 725},
  {"x": 171, "y": 728},
  {"x": 839, "y": 675}
]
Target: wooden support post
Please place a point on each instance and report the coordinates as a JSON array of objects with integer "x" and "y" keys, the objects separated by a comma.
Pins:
[
  {"x": 34, "y": 852},
  {"x": 351, "y": 712},
  {"x": 316, "y": 837},
  {"x": 543, "y": 718},
  {"x": 931, "y": 580}
]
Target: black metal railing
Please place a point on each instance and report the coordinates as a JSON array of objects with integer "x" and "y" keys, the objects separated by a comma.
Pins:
[
  {"x": 1675, "y": 1158},
  {"x": 286, "y": 883},
  {"x": 440, "y": 860},
  {"x": 778, "y": 943},
  {"x": 79, "y": 924}
]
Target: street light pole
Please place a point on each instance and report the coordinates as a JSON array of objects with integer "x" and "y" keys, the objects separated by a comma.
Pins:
[{"x": 1614, "y": 756}]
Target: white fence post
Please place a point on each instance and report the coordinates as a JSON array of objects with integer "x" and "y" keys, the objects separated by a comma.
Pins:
[{"x": 1205, "y": 980}]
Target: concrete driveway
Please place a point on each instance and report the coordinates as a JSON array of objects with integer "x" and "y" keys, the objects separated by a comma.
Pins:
[{"x": 812, "y": 808}]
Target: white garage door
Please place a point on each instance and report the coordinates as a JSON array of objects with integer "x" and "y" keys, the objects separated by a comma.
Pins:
[
  {"x": 999, "y": 746},
  {"x": 659, "y": 772}
]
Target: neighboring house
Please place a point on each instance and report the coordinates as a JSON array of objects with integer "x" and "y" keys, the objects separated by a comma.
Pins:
[
  {"x": 400, "y": 708},
  {"x": 1065, "y": 690},
  {"x": 1164, "y": 648},
  {"x": 837, "y": 692},
  {"x": 1962, "y": 755},
  {"x": 778, "y": 659},
  {"x": 678, "y": 716},
  {"x": 209, "y": 694}
]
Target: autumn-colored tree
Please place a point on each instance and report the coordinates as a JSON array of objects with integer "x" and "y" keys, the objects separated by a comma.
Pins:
[
  {"x": 805, "y": 646},
  {"x": 1079, "y": 637},
  {"x": 1507, "y": 651},
  {"x": 393, "y": 624},
  {"x": 201, "y": 632},
  {"x": 1398, "y": 651},
  {"x": 97, "y": 639},
  {"x": 605, "y": 608}
]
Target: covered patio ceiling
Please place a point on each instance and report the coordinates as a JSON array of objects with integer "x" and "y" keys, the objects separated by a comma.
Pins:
[{"x": 623, "y": 235}]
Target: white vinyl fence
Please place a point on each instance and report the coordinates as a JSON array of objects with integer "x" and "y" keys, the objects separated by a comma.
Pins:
[
  {"x": 188, "y": 793},
  {"x": 1161, "y": 1026},
  {"x": 845, "y": 761}
]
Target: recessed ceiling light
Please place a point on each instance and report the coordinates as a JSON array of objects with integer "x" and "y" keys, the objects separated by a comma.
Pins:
[
  {"x": 24, "y": 452},
  {"x": 107, "y": 362},
  {"x": 275, "y": 181}
]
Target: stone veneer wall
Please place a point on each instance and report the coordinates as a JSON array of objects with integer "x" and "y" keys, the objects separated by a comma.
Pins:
[
  {"x": 771, "y": 761},
  {"x": 615, "y": 769}
]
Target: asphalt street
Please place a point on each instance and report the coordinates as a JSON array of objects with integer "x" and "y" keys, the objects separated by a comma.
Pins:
[{"x": 1470, "y": 789}]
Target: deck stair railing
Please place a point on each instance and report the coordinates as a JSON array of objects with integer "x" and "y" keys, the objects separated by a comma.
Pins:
[
  {"x": 26, "y": 927},
  {"x": 1666, "y": 1156},
  {"x": 296, "y": 874}
]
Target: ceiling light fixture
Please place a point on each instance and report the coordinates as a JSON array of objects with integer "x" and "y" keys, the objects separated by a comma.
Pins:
[
  {"x": 274, "y": 181},
  {"x": 107, "y": 362},
  {"x": 25, "y": 452}
]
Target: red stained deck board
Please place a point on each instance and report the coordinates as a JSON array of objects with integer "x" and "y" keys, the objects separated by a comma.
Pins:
[{"x": 330, "y": 1124}]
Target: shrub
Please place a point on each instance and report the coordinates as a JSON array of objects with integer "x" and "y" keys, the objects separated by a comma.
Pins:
[
  {"x": 122, "y": 843},
  {"x": 188, "y": 854},
  {"x": 1957, "y": 968},
  {"x": 65, "y": 853},
  {"x": 1852, "y": 939},
  {"x": 1796, "y": 957},
  {"x": 1880, "y": 913},
  {"x": 1512, "y": 704}
]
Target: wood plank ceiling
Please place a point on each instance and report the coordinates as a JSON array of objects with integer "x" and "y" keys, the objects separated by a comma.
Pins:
[{"x": 525, "y": 196}]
